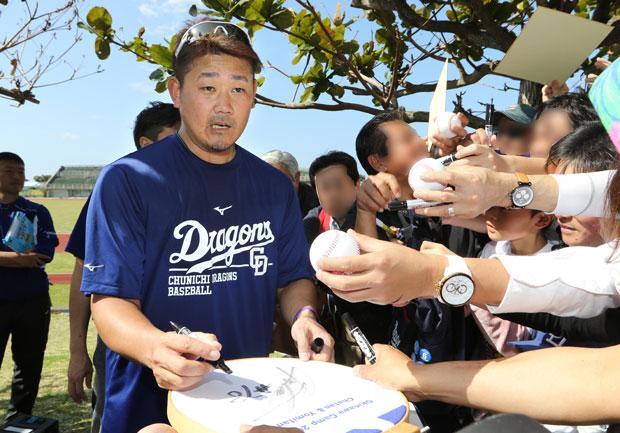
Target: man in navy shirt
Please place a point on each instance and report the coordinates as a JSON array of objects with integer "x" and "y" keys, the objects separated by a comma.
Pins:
[
  {"x": 197, "y": 230},
  {"x": 154, "y": 123},
  {"x": 24, "y": 288}
]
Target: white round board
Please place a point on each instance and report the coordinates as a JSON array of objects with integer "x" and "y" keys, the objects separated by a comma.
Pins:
[{"x": 316, "y": 397}]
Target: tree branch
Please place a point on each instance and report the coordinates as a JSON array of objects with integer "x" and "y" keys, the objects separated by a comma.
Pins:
[
  {"x": 505, "y": 37},
  {"x": 339, "y": 54},
  {"x": 464, "y": 80},
  {"x": 18, "y": 96},
  {"x": 470, "y": 32},
  {"x": 341, "y": 106}
]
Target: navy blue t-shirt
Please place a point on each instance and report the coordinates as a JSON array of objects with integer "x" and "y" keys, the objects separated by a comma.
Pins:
[
  {"x": 200, "y": 244},
  {"x": 17, "y": 284},
  {"x": 77, "y": 241}
]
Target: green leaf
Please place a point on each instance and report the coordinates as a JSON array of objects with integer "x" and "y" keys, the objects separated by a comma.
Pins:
[
  {"x": 283, "y": 19},
  {"x": 193, "y": 10},
  {"x": 307, "y": 95},
  {"x": 102, "y": 48},
  {"x": 260, "y": 81},
  {"x": 336, "y": 91},
  {"x": 350, "y": 47},
  {"x": 157, "y": 74},
  {"x": 161, "y": 86},
  {"x": 99, "y": 18},
  {"x": 161, "y": 55},
  {"x": 382, "y": 36},
  {"x": 141, "y": 32}
]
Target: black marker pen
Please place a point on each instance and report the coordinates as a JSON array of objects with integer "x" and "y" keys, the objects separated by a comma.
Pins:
[
  {"x": 411, "y": 204},
  {"x": 217, "y": 364},
  {"x": 360, "y": 338},
  {"x": 317, "y": 345}
]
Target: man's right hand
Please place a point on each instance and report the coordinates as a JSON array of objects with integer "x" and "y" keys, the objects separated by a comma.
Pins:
[
  {"x": 80, "y": 372},
  {"x": 377, "y": 191},
  {"x": 172, "y": 360},
  {"x": 30, "y": 260}
]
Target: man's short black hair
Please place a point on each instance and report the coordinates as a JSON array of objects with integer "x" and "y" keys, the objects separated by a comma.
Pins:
[
  {"x": 587, "y": 149},
  {"x": 372, "y": 141},
  {"x": 11, "y": 157},
  {"x": 334, "y": 158},
  {"x": 576, "y": 105},
  {"x": 154, "y": 118}
]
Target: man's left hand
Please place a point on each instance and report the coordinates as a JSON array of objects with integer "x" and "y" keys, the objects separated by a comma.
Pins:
[{"x": 304, "y": 331}]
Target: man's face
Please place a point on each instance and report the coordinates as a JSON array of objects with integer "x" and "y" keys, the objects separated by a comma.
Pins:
[
  {"x": 579, "y": 231},
  {"x": 551, "y": 126},
  {"x": 215, "y": 100},
  {"x": 512, "y": 138},
  {"x": 12, "y": 177},
  {"x": 405, "y": 147},
  {"x": 511, "y": 224},
  {"x": 336, "y": 190}
]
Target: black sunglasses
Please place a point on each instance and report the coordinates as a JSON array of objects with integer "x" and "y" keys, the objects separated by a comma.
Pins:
[{"x": 204, "y": 28}]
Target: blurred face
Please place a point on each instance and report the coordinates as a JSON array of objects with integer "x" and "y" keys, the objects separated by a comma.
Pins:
[
  {"x": 551, "y": 126},
  {"x": 215, "y": 101},
  {"x": 513, "y": 138},
  {"x": 336, "y": 190},
  {"x": 512, "y": 224},
  {"x": 579, "y": 231},
  {"x": 405, "y": 147},
  {"x": 293, "y": 177},
  {"x": 12, "y": 177}
]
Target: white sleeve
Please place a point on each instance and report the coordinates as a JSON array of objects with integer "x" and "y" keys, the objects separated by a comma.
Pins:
[
  {"x": 576, "y": 281},
  {"x": 582, "y": 194}
]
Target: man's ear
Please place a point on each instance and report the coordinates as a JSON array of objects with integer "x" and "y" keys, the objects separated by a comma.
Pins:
[
  {"x": 144, "y": 141},
  {"x": 174, "y": 89},
  {"x": 376, "y": 163},
  {"x": 543, "y": 220}
]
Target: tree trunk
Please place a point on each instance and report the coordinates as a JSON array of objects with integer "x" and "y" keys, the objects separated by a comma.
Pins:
[{"x": 530, "y": 93}]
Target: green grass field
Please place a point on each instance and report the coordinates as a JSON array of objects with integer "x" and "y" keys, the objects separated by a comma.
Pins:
[
  {"x": 53, "y": 400},
  {"x": 64, "y": 212}
]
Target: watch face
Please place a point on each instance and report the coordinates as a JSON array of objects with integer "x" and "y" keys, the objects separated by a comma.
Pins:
[
  {"x": 522, "y": 196},
  {"x": 457, "y": 290}
]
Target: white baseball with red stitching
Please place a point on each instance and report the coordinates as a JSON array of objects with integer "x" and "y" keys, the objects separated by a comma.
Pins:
[{"x": 333, "y": 243}]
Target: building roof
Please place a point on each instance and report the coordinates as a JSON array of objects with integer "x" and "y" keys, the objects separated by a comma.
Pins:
[{"x": 74, "y": 177}]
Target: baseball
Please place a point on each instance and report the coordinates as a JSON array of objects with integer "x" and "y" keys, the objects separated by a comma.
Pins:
[
  {"x": 421, "y": 167},
  {"x": 445, "y": 121},
  {"x": 333, "y": 243}
]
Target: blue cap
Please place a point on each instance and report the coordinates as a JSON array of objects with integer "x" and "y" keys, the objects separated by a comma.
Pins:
[{"x": 520, "y": 113}]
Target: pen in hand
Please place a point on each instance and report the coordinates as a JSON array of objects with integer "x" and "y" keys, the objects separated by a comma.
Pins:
[{"x": 182, "y": 330}]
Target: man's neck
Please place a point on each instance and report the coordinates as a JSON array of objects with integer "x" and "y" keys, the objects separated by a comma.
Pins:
[
  {"x": 406, "y": 193},
  {"x": 528, "y": 245},
  {"x": 207, "y": 156},
  {"x": 7, "y": 198}
]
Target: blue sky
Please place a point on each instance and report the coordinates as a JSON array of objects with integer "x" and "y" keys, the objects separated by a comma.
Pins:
[{"x": 89, "y": 121}]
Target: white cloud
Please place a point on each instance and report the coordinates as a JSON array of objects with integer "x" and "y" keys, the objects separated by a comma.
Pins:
[
  {"x": 154, "y": 8},
  {"x": 146, "y": 10},
  {"x": 69, "y": 136}
]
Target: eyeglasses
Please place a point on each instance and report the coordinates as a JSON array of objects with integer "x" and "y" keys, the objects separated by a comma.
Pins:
[{"x": 204, "y": 28}]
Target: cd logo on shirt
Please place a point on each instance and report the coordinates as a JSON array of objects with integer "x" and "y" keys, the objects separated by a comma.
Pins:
[{"x": 208, "y": 249}]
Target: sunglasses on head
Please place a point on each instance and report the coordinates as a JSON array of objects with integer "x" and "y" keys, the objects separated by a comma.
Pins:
[{"x": 204, "y": 28}]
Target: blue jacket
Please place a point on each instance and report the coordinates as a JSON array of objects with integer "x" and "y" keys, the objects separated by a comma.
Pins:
[{"x": 17, "y": 284}]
